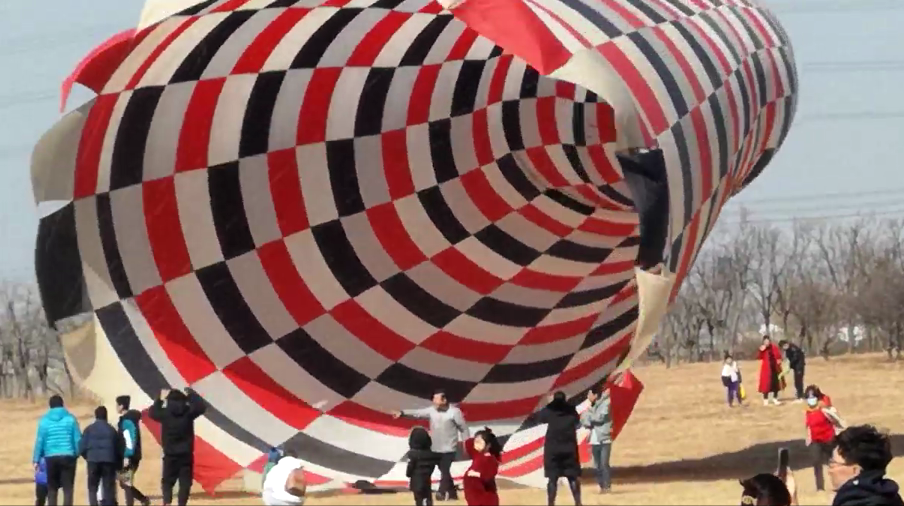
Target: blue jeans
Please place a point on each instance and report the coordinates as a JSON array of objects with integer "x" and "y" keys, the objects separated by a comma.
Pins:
[{"x": 601, "y": 454}]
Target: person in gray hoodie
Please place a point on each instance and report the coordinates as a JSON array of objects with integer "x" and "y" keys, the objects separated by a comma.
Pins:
[
  {"x": 448, "y": 430},
  {"x": 598, "y": 418}
]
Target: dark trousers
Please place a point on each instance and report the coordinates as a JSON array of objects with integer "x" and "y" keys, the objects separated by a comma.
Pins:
[
  {"x": 601, "y": 454},
  {"x": 799, "y": 382},
  {"x": 821, "y": 454},
  {"x": 129, "y": 490},
  {"x": 102, "y": 474},
  {"x": 423, "y": 497},
  {"x": 60, "y": 475},
  {"x": 734, "y": 392},
  {"x": 177, "y": 468},
  {"x": 446, "y": 485},
  {"x": 552, "y": 488},
  {"x": 40, "y": 494}
]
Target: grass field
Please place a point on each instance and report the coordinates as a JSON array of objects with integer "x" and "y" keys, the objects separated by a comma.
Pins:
[{"x": 683, "y": 444}]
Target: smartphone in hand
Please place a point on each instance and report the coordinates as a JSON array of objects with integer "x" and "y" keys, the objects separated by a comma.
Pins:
[{"x": 784, "y": 457}]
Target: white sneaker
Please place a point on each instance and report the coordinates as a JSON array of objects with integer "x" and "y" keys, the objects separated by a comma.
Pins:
[
  {"x": 765, "y": 402},
  {"x": 776, "y": 402}
]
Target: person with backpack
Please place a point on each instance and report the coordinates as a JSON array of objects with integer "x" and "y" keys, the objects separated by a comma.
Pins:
[
  {"x": 101, "y": 447},
  {"x": 57, "y": 441},
  {"x": 129, "y": 427},
  {"x": 176, "y": 411}
]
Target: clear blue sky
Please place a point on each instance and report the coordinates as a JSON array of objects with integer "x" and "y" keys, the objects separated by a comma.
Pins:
[{"x": 847, "y": 137}]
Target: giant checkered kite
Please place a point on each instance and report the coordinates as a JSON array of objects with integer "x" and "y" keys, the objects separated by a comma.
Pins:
[{"x": 315, "y": 212}]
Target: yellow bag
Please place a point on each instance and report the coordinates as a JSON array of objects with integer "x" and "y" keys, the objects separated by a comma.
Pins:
[{"x": 742, "y": 392}]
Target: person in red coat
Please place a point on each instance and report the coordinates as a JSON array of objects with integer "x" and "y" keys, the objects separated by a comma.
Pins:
[
  {"x": 480, "y": 480},
  {"x": 770, "y": 371},
  {"x": 822, "y": 422}
]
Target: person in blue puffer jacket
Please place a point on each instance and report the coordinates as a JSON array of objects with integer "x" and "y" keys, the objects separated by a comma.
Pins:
[
  {"x": 57, "y": 442},
  {"x": 41, "y": 483}
]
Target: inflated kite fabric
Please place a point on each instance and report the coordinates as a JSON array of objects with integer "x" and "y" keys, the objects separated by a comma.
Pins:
[{"x": 316, "y": 212}]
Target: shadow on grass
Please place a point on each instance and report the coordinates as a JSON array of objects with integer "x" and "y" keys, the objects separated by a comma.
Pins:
[{"x": 760, "y": 458}]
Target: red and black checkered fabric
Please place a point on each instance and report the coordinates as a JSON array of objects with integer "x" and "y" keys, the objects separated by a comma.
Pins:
[{"x": 317, "y": 211}]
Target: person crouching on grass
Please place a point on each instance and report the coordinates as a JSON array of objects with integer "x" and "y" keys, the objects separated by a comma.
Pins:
[
  {"x": 480, "y": 480},
  {"x": 284, "y": 483}
]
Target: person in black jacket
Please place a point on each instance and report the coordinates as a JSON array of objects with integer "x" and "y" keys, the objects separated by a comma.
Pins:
[
  {"x": 177, "y": 429},
  {"x": 797, "y": 362},
  {"x": 421, "y": 463},
  {"x": 560, "y": 450},
  {"x": 101, "y": 446},
  {"x": 858, "y": 466},
  {"x": 129, "y": 427}
]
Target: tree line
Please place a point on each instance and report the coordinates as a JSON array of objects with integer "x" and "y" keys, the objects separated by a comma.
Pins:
[{"x": 831, "y": 288}]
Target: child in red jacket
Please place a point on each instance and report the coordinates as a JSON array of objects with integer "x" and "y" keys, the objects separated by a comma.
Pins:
[{"x": 480, "y": 480}]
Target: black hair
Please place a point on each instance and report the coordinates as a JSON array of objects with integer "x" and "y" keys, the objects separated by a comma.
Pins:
[
  {"x": 596, "y": 389},
  {"x": 782, "y": 343},
  {"x": 440, "y": 391},
  {"x": 765, "y": 489},
  {"x": 766, "y": 336},
  {"x": 813, "y": 391},
  {"x": 124, "y": 401},
  {"x": 56, "y": 401},
  {"x": 559, "y": 396},
  {"x": 864, "y": 446},
  {"x": 494, "y": 447},
  {"x": 419, "y": 439},
  {"x": 100, "y": 412}
]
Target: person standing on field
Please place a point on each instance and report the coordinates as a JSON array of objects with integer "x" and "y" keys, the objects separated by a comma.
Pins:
[
  {"x": 448, "y": 430},
  {"x": 101, "y": 447},
  {"x": 176, "y": 411},
  {"x": 130, "y": 430},
  {"x": 57, "y": 442},
  {"x": 598, "y": 418},
  {"x": 797, "y": 361}
]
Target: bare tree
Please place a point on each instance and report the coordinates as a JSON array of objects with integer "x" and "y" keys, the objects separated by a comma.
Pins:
[
  {"x": 771, "y": 258},
  {"x": 28, "y": 343}
]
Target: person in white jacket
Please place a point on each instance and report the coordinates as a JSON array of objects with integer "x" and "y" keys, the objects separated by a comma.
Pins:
[
  {"x": 731, "y": 378},
  {"x": 284, "y": 484}
]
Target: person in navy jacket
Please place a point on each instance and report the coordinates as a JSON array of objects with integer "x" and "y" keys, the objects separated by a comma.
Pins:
[{"x": 101, "y": 446}]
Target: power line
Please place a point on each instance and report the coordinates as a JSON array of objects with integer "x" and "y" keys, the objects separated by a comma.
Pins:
[
  {"x": 804, "y": 7},
  {"x": 851, "y": 115},
  {"x": 31, "y": 44},
  {"x": 795, "y": 211},
  {"x": 852, "y": 66},
  {"x": 10, "y": 102},
  {"x": 819, "y": 218},
  {"x": 819, "y": 196}
]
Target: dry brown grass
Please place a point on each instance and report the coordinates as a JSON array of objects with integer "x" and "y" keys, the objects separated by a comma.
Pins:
[{"x": 683, "y": 445}]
